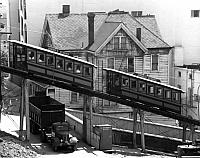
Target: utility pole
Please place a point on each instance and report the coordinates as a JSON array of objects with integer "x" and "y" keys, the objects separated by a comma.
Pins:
[
  {"x": 134, "y": 128},
  {"x": 1, "y": 98},
  {"x": 142, "y": 130}
]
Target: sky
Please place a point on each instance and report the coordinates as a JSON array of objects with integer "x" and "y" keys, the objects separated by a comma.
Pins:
[{"x": 164, "y": 10}]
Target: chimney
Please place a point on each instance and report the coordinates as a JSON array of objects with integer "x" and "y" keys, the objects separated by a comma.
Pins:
[
  {"x": 66, "y": 9},
  {"x": 90, "y": 28},
  {"x": 138, "y": 33},
  {"x": 136, "y": 13}
]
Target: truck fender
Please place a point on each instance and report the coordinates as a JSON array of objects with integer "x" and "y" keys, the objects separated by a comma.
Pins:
[{"x": 73, "y": 140}]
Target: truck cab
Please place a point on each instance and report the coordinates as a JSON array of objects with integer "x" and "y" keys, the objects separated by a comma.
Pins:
[{"x": 61, "y": 136}]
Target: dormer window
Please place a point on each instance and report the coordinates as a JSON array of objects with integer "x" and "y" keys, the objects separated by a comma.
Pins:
[{"x": 120, "y": 40}]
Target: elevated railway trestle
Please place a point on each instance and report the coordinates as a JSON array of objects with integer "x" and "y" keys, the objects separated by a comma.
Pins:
[
  {"x": 106, "y": 96},
  {"x": 45, "y": 66}
]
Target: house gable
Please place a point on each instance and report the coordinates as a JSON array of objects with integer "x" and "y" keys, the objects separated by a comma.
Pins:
[
  {"x": 102, "y": 38},
  {"x": 46, "y": 38}
]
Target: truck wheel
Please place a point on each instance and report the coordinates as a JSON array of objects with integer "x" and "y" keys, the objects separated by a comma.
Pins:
[
  {"x": 55, "y": 144},
  {"x": 55, "y": 148},
  {"x": 73, "y": 148},
  {"x": 43, "y": 137}
]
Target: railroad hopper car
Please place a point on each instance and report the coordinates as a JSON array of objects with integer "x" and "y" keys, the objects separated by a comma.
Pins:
[
  {"x": 149, "y": 92},
  {"x": 40, "y": 61}
]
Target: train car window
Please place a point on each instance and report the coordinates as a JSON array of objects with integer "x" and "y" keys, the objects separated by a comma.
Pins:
[
  {"x": 133, "y": 84},
  {"x": 50, "y": 60},
  {"x": 31, "y": 54},
  {"x": 68, "y": 65},
  {"x": 125, "y": 81},
  {"x": 87, "y": 71},
  {"x": 41, "y": 57},
  {"x": 159, "y": 91},
  {"x": 142, "y": 86},
  {"x": 150, "y": 89},
  {"x": 20, "y": 55},
  {"x": 11, "y": 54},
  {"x": 167, "y": 94},
  {"x": 176, "y": 96},
  {"x": 60, "y": 63},
  {"x": 116, "y": 79},
  {"x": 78, "y": 68}
]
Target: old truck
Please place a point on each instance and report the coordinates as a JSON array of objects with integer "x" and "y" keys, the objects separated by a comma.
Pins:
[{"x": 47, "y": 118}]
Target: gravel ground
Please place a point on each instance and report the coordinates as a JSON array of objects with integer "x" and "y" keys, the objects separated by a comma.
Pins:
[{"x": 11, "y": 147}]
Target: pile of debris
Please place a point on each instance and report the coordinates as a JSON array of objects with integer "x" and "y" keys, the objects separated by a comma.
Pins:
[{"x": 11, "y": 147}]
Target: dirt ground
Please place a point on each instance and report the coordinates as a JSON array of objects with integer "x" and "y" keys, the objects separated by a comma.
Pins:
[{"x": 11, "y": 147}]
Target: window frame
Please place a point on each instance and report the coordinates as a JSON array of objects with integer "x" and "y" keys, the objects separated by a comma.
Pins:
[
  {"x": 195, "y": 13},
  {"x": 152, "y": 67},
  {"x": 85, "y": 67},
  {"x": 77, "y": 97},
  {"x": 116, "y": 42},
  {"x": 41, "y": 53},
  {"x": 156, "y": 91},
  {"x": 66, "y": 65},
  {"x": 113, "y": 67},
  {"x": 75, "y": 68},
  {"x": 133, "y": 59},
  {"x": 126, "y": 83},
  {"x": 136, "y": 84},
  {"x": 30, "y": 50},
  {"x": 149, "y": 85},
  {"x": 53, "y": 57},
  {"x": 58, "y": 59},
  {"x": 142, "y": 89}
]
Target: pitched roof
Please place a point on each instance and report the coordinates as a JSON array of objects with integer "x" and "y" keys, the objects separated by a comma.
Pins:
[
  {"x": 149, "y": 38},
  {"x": 103, "y": 33},
  {"x": 150, "y": 23},
  {"x": 71, "y": 32}
]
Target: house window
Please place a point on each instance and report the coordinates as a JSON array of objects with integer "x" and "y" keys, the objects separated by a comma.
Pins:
[
  {"x": 190, "y": 76},
  {"x": 110, "y": 63},
  {"x": 123, "y": 43},
  {"x": 22, "y": 26},
  {"x": 116, "y": 42},
  {"x": 130, "y": 64},
  {"x": 195, "y": 13},
  {"x": 51, "y": 92},
  {"x": 179, "y": 74},
  {"x": 179, "y": 86},
  {"x": 74, "y": 97},
  {"x": 154, "y": 62}
]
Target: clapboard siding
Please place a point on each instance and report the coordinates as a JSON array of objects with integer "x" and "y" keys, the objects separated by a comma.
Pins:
[
  {"x": 163, "y": 73},
  {"x": 139, "y": 64}
]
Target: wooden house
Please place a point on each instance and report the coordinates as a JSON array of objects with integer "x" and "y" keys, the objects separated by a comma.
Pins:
[{"x": 116, "y": 40}]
